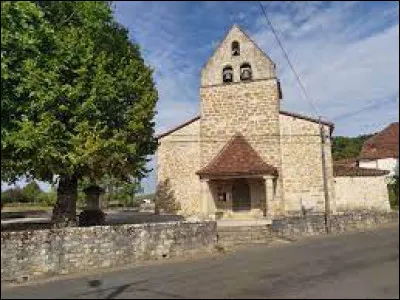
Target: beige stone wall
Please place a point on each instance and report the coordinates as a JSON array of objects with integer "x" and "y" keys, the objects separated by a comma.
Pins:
[
  {"x": 262, "y": 66},
  {"x": 251, "y": 109},
  {"x": 302, "y": 164},
  {"x": 178, "y": 158},
  {"x": 292, "y": 145},
  {"x": 368, "y": 192}
]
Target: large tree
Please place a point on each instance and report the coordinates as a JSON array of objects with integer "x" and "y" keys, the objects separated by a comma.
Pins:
[{"x": 85, "y": 100}]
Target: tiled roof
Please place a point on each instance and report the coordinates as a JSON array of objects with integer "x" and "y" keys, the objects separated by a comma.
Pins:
[
  {"x": 346, "y": 162},
  {"x": 340, "y": 171},
  {"x": 235, "y": 159},
  {"x": 384, "y": 144},
  {"x": 286, "y": 113}
]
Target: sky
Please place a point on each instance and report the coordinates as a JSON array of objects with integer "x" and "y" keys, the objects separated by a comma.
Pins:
[{"x": 346, "y": 53}]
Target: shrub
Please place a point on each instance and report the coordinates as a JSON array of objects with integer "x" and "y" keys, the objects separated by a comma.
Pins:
[
  {"x": 14, "y": 195},
  {"x": 164, "y": 199},
  {"x": 32, "y": 192},
  {"x": 394, "y": 193},
  {"x": 47, "y": 199}
]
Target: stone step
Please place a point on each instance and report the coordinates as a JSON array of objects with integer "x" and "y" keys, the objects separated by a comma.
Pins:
[
  {"x": 242, "y": 235},
  {"x": 243, "y": 229}
]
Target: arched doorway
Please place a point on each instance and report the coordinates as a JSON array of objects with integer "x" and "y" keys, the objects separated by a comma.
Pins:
[{"x": 241, "y": 195}]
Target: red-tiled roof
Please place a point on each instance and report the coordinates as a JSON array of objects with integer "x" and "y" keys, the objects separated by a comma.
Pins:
[
  {"x": 346, "y": 162},
  {"x": 286, "y": 113},
  {"x": 235, "y": 159},
  {"x": 341, "y": 171},
  {"x": 384, "y": 144}
]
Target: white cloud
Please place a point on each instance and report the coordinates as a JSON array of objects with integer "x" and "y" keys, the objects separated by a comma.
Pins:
[
  {"x": 343, "y": 68},
  {"x": 347, "y": 58}
]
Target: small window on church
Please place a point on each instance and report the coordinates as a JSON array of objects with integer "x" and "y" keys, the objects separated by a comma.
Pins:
[
  {"x": 245, "y": 72},
  {"x": 227, "y": 74},
  {"x": 235, "y": 48},
  {"x": 221, "y": 195}
]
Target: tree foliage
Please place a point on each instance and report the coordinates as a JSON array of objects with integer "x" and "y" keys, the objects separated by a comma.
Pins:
[
  {"x": 347, "y": 147},
  {"x": 77, "y": 99},
  {"x": 32, "y": 191},
  {"x": 89, "y": 104},
  {"x": 393, "y": 189},
  {"x": 14, "y": 195},
  {"x": 164, "y": 199}
]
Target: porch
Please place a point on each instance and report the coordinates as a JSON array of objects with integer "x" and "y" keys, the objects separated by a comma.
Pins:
[
  {"x": 237, "y": 184},
  {"x": 240, "y": 201}
]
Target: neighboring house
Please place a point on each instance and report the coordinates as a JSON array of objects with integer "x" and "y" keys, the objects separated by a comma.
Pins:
[
  {"x": 347, "y": 162},
  {"x": 244, "y": 157},
  {"x": 381, "y": 151}
]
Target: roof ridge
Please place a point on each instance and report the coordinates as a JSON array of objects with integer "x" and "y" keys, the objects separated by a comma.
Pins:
[
  {"x": 246, "y": 35},
  {"x": 287, "y": 113},
  {"x": 237, "y": 157},
  {"x": 230, "y": 141}
]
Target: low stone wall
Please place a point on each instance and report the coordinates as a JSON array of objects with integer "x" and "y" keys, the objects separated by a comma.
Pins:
[
  {"x": 315, "y": 225},
  {"x": 362, "y": 192},
  {"x": 26, "y": 255}
]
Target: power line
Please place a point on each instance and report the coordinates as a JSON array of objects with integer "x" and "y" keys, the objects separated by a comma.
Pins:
[
  {"x": 322, "y": 134},
  {"x": 288, "y": 60},
  {"x": 364, "y": 109}
]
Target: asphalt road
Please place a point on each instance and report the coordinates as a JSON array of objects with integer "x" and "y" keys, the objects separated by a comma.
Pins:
[{"x": 358, "y": 265}]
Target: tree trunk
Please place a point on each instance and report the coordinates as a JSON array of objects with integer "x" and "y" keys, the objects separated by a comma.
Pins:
[{"x": 64, "y": 212}]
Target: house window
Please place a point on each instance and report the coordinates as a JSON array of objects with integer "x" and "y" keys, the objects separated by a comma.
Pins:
[
  {"x": 245, "y": 72},
  {"x": 235, "y": 48},
  {"x": 227, "y": 74}
]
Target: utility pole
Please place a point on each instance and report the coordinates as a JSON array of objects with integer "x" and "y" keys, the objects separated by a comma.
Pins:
[{"x": 327, "y": 204}]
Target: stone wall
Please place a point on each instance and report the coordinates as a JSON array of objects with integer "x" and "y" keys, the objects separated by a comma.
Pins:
[
  {"x": 294, "y": 227},
  {"x": 349, "y": 221},
  {"x": 178, "y": 158},
  {"x": 247, "y": 107},
  {"x": 262, "y": 66},
  {"x": 251, "y": 109},
  {"x": 26, "y": 255},
  {"x": 364, "y": 192},
  {"x": 302, "y": 165}
]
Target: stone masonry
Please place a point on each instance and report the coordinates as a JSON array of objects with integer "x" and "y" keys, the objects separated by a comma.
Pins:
[
  {"x": 27, "y": 255},
  {"x": 288, "y": 142},
  {"x": 178, "y": 157},
  {"x": 36, "y": 254},
  {"x": 370, "y": 191},
  {"x": 302, "y": 164}
]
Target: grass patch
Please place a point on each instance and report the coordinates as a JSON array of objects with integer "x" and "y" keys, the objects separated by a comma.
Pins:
[{"x": 24, "y": 207}]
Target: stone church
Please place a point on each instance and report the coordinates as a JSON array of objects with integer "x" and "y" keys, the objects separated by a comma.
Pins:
[{"x": 243, "y": 157}]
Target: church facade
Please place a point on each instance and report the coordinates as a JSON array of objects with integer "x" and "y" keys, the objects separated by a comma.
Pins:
[{"x": 243, "y": 157}]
